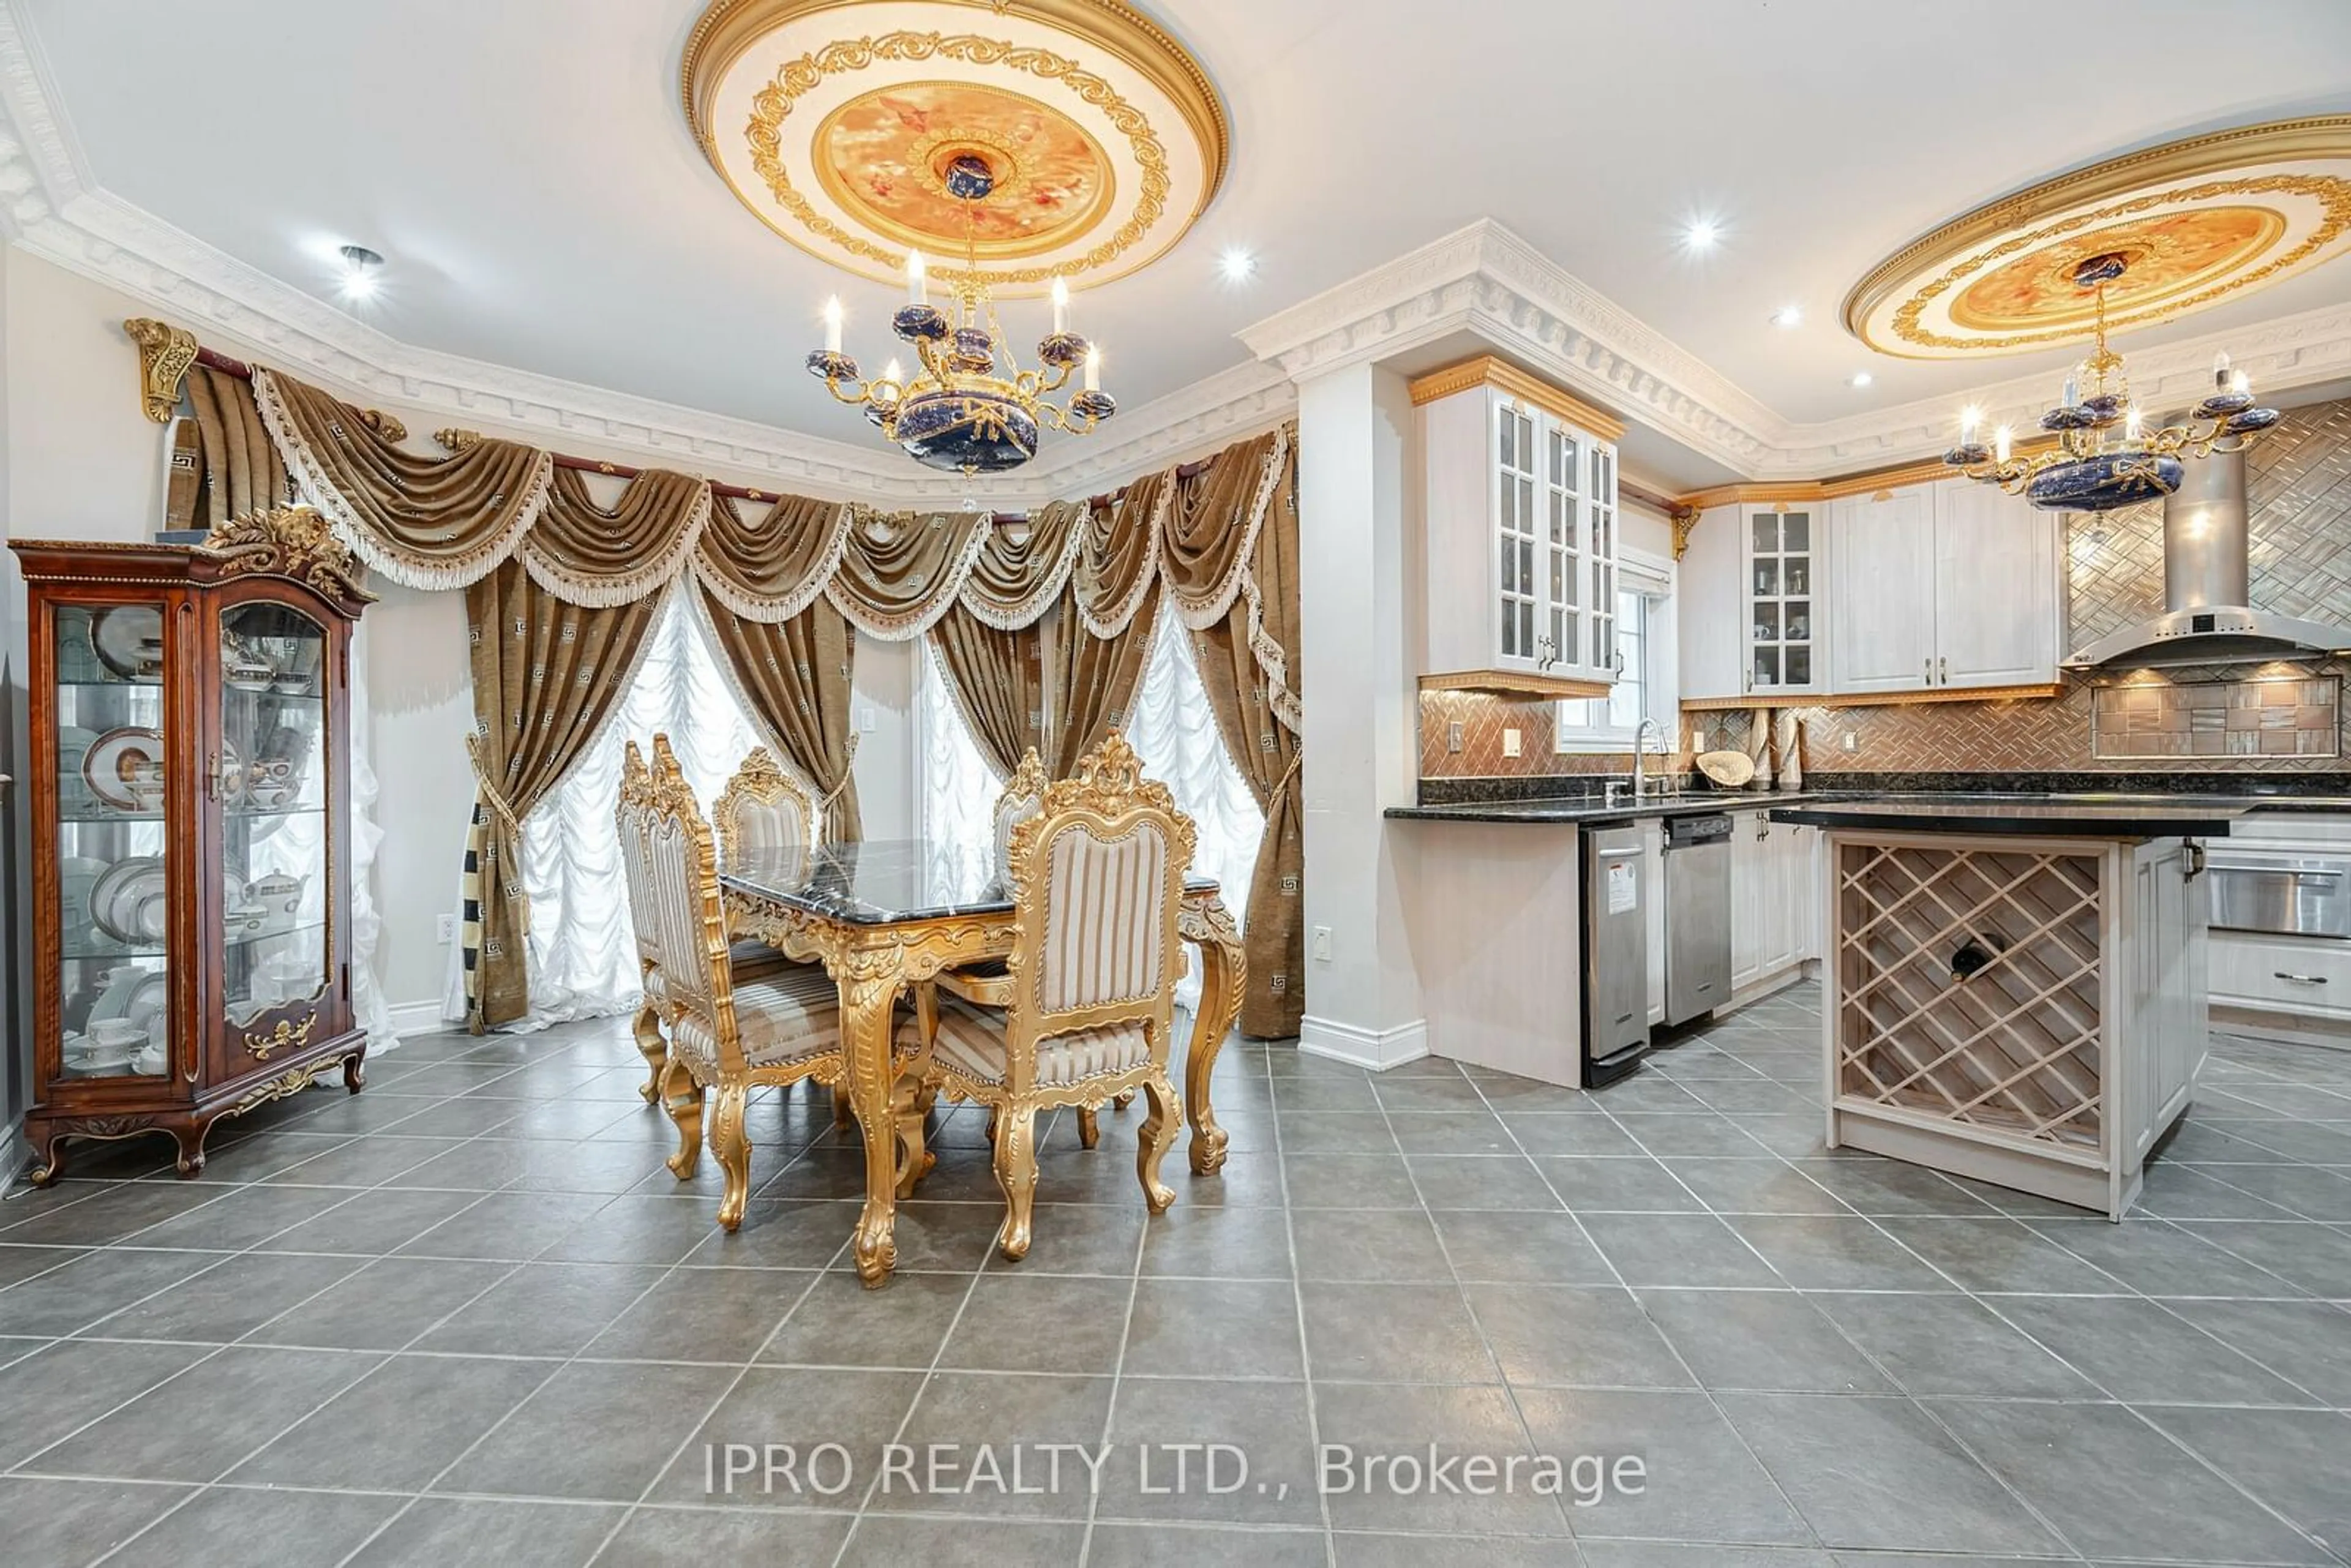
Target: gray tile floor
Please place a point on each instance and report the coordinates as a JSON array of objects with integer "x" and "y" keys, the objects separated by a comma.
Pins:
[{"x": 468, "y": 1318}]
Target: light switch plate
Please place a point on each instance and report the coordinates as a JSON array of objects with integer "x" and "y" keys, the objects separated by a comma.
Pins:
[
  {"x": 1851, "y": 741},
  {"x": 1322, "y": 944},
  {"x": 1510, "y": 743},
  {"x": 445, "y": 929}
]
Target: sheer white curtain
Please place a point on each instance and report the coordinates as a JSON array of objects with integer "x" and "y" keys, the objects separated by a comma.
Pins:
[
  {"x": 957, "y": 793},
  {"x": 1174, "y": 732},
  {"x": 583, "y": 958}
]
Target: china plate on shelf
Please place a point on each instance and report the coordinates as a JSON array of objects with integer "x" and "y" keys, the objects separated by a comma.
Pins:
[
  {"x": 128, "y": 639},
  {"x": 114, "y": 901},
  {"x": 108, "y": 765}
]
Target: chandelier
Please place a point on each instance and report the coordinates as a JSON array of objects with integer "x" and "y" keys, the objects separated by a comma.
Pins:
[
  {"x": 2092, "y": 468},
  {"x": 970, "y": 408}
]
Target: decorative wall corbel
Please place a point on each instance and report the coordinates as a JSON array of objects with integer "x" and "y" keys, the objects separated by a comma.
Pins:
[
  {"x": 1684, "y": 519},
  {"x": 165, "y": 355}
]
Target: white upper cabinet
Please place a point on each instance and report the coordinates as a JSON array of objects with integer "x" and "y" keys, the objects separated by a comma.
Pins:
[
  {"x": 1884, "y": 550},
  {"x": 1752, "y": 584},
  {"x": 1945, "y": 587},
  {"x": 1521, "y": 532},
  {"x": 1998, "y": 572}
]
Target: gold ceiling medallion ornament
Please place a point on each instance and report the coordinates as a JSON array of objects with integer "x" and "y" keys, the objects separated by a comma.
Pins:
[
  {"x": 2193, "y": 223},
  {"x": 838, "y": 123}
]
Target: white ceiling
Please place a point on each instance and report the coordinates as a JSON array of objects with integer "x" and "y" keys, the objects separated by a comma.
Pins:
[{"x": 524, "y": 167}]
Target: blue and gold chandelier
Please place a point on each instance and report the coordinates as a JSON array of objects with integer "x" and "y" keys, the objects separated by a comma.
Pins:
[
  {"x": 2105, "y": 457},
  {"x": 971, "y": 408}
]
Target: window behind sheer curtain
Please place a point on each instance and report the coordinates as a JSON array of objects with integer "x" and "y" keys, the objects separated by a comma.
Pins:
[
  {"x": 583, "y": 954},
  {"x": 1171, "y": 729}
]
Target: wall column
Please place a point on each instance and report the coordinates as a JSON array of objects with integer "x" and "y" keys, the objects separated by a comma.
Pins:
[{"x": 1358, "y": 516}]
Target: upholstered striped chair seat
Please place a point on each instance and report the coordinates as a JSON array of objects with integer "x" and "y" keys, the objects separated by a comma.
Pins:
[
  {"x": 792, "y": 1014},
  {"x": 971, "y": 1043},
  {"x": 746, "y": 961}
]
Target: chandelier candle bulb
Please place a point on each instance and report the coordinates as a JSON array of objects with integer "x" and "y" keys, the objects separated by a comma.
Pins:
[
  {"x": 2002, "y": 440},
  {"x": 2220, "y": 368},
  {"x": 1969, "y": 417},
  {"x": 833, "y": 324},
  {"x": 1093, "y": 370},
  {"x": 2131, "y": 425},
  {"x": 2240, "y": 382},
  {"x": 1061, "y": 305},
  {"x": 917, "y": 286}
]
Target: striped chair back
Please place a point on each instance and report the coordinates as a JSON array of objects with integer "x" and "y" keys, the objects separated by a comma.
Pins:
[{"x": 763, "y": 808}]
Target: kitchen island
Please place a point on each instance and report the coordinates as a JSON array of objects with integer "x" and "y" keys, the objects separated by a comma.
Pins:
[{"x": 2015, "y": 990}]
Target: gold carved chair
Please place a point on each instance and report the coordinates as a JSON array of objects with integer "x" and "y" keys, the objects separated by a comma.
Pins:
[
  {"x": 764, "y": 807},
  {"x": 1084, "y": 1012},
  {"x": 750, "y": 960},
  {"x": 728, "y": 1033}
]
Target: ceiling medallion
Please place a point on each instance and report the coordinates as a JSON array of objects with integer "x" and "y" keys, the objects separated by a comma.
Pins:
[
  {"x": 836, "y": 122},
  {"x": 2194, "y": 223},
  {"x": 2104, "y": 456}
]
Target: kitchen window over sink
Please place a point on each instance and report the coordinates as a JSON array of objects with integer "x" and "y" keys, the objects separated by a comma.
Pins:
[{"x": 1644, "y": 680}]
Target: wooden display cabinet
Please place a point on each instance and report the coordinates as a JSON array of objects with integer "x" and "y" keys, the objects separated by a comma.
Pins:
[{"x": 191, "y": 830}]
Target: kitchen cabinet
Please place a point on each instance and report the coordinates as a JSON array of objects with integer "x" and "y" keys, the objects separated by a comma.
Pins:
[
  {"x": 1751, "y": 581},
  {"x": 1949, "y": 587},
  {"x": 1774, "y": 882},
  {"x": 1521, "y": 532}
]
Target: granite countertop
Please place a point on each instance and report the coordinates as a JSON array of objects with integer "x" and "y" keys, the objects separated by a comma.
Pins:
[
  {"x": 1591, "y": 811},
  {"x": 2104, "y": 817},
  {"x": 1953, "y": 809}
]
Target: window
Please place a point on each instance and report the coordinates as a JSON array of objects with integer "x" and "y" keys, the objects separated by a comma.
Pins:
[{"x": 1644, "y": 687}]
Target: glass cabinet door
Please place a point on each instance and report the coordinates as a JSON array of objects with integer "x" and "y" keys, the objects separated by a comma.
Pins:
[
  {"x": 1604, "y": 560},
  {"x": 269, "y": 778},
  {"x": 1780, "y": 599},
  {"x": 1517, "y": 529},
  {"x": 113, "y": 850},
  {"x": 1562, "y": 547}
]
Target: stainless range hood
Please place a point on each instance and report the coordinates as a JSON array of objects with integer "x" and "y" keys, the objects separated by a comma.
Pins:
[{"x": 2206, "y": 619}]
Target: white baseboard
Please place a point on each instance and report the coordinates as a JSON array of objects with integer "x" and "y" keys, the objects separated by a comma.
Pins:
[
  {"x": 418, "y": 1018},
  {"x": 1375, "y": 1048}
]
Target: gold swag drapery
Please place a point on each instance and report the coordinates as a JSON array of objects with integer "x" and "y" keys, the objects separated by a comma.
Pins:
[
  {"x": 782, "y": 594},
  {"x": 548, "y": 676}
]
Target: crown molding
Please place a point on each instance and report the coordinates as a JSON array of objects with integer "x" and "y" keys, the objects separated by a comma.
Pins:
[
  {"x": 1482, "y": 280},
  {"x": 1486, "y": 281}
]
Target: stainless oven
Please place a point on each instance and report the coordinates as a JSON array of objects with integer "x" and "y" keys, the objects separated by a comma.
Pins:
[{"x": 2289, "y": 894}]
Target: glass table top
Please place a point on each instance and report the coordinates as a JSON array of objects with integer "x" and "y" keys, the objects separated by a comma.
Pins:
[{"x": 881, "y": 882}]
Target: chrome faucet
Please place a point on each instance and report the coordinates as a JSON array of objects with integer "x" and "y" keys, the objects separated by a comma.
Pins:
[{"x": 1649, "y": 726}]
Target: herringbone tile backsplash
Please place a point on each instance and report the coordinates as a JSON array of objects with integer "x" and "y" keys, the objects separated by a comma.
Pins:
[{"x": 2299, "y": 483}]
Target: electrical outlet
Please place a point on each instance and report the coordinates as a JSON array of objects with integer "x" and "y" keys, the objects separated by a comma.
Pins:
[
  {"x": 1322, "y": 944},
  {"x": 1453, "y": 735},
  {"x": 445, "y": 929},
  {"x": 1510, "y": 743},
  {"x": 865, "y": 721},
  {"x": 1851, "y": 741}
]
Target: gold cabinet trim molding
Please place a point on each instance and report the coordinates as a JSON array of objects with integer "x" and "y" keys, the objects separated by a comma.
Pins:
[
  {"x": 1488, "y": 371},
  {"x": 1879, "y": 699},
  {"x": 1510, "y": 683}
]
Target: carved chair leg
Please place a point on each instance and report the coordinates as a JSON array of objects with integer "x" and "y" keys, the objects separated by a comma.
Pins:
[
  {"x": 654, "y": 1049},
  {"x": 841, "y": 1116},
  {"x": 1016, "y": 1173},
  {"x": 733, "y": 1149},
  {"x": 994, "y": 1114},
  {"x": 1089, "y": 1130},
  {"x": 1158, "y": 1137},
  {"x": 914, "y": 1161},
  {"x": 1123, "y": 1101},
  {"x": 682, "y": 1097}
]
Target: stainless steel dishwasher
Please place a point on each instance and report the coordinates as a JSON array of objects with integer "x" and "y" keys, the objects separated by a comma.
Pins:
[
  {"x": 1698, "y": 915},
  {"x": 1616, "y": 953}
]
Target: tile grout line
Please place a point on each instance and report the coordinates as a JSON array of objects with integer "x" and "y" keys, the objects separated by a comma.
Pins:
[{"x": 1298, "y": 1306}]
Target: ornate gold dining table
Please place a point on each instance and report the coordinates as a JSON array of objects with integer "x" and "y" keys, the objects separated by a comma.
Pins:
[{"x": 885, "y": 914}]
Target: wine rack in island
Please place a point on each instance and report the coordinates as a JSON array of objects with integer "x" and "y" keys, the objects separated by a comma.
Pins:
[{"x": 191, "y": 830}]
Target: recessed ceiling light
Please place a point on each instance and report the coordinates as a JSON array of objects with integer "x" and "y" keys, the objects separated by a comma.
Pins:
[
  {"x": 1862, "y": 378},
  {"x": 1787, "y": 316},
  {"x": 1236, "y": 264},
  {"x": 1701, "y": 234},
  {"x": 360, "y": 266}
]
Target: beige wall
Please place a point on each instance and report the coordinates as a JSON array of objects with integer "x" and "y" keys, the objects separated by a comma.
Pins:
[{"x": 87, "y": 463}]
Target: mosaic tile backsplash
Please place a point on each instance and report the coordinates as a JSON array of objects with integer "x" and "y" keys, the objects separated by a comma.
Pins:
[{"x": 2299, "y": 482}]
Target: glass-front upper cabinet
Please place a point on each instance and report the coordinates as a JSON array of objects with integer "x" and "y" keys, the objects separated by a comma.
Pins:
[
  {"x": 1521, "y": 532},
  {"x": 1781, "y": 579},
  {"x": 190, "y": 704}
]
